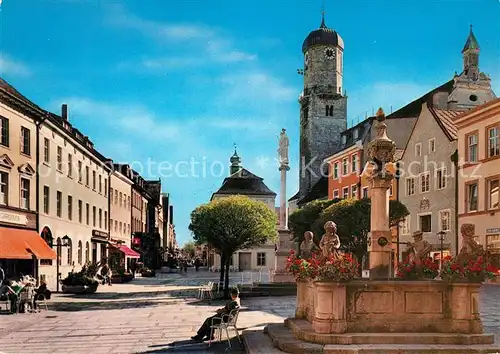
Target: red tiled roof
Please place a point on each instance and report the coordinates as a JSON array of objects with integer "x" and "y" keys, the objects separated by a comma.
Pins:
[{"x": 446, "y": 118}]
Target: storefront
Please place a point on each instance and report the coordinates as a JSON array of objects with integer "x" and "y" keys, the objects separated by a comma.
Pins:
[
  {"x": 100, "y": 242},
  {"x": 21, "y": 248},
  {"x": 122, "y": 257}
]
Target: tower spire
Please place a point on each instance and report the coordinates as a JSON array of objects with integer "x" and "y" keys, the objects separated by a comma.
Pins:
[{"x": 323, "y": 15}]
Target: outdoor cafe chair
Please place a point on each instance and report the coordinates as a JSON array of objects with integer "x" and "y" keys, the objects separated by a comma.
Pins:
[{"x": 230, "y": 323}]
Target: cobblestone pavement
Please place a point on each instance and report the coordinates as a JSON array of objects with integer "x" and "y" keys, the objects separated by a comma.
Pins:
[
  {"x": 153, "y": 325},
  {"x": 149, "y": 315}
]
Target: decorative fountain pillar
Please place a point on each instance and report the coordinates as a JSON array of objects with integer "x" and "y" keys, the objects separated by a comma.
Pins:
[
  {"x": 381, "y": 151},
  {"x": 285, "y": 243}
]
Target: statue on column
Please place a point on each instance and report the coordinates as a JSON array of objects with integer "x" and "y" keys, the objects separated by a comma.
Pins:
[
  {"x": 283, "y": 148},
  {"x": 330, "y": 242},
  {"x": 307, "y": 247},
  {"x": 419, "y": 249}
]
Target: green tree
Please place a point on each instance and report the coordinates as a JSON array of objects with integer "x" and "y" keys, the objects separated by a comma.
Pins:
[
  {"x": 189, "y": 248},
  {"x": 307, "y": 218},
  {"x": 353, "y": 222},
  {"x": 230, "y": 224}
]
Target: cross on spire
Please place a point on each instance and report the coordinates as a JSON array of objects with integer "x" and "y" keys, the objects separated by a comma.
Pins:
[{"x": 323, "y": 15}]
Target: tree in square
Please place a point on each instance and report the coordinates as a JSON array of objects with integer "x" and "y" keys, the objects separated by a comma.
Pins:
[{"x": 231, "y": 224}]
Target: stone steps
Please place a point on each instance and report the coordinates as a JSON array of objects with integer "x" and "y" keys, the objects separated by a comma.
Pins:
[{"x": 278, "y": 336}]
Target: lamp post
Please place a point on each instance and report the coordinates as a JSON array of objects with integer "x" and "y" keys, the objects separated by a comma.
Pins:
[
  {"x": 441, "y": 236},
  {"x": 64, "y": 243}
]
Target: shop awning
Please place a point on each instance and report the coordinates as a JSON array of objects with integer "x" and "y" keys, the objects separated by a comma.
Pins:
[
  {"x": 23, "y": 244},
  {"x": 127, "y": 251}
]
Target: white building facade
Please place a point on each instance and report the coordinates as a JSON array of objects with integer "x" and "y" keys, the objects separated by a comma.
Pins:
[{"x": 73, "y": 203}]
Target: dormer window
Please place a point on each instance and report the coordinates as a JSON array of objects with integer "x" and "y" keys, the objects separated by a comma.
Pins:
[
  {"x": 355, "y": 134},
  {"x": 344, "y": 139}
]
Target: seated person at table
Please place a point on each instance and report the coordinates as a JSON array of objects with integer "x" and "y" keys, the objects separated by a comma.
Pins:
[{"x": 204, "y": 331}]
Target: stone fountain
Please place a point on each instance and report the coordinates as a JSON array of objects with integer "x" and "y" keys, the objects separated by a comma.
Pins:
[{"x": 383, "y": 314}]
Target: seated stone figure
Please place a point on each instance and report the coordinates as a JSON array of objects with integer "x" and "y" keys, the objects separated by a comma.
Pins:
[
  {"x": 419, "y": 249},
  {"x": 307, "y": 247},
  {"x": 470, "y": 250}
]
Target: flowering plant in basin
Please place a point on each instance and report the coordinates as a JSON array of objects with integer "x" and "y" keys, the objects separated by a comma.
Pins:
[
  {"x": 301, "y": 268},
  {"x": 472, "y": 270},
  {"x": 410, "y": 270},
  {"x": 344, "y": 268}
]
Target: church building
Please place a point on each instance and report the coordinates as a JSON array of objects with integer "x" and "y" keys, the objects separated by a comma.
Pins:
[{"x": 243, "y": 182}]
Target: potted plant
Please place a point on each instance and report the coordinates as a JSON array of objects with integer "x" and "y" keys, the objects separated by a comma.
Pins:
[
  {"x": 79, "y": 283},
  {"x": 302, "y": 269}
]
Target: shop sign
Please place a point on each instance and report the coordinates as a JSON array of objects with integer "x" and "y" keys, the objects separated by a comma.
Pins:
[
  {"x": 13, "y": 218},
  {"x": 98, "y": 233},
  {"x": 493, "y": 230}
]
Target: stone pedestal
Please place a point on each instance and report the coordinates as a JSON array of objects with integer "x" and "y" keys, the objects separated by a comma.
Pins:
[{"x": 285, "y": 244}]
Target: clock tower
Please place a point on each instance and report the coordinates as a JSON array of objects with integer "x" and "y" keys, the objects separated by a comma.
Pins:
[{"x": 323, "y": 106}]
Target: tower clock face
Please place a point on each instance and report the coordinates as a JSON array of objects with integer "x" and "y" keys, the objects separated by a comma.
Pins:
[{"x": 329, "y": 53}]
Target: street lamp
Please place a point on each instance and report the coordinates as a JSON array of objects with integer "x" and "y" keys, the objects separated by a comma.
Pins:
[
  {"x": 441, "y": 236},
  {"x": 64, "y": 243}
]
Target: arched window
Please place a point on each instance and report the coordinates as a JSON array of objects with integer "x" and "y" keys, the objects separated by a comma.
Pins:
[
  {"x": 80, "y": 252},
  {"x": 70, "y": 252},
  {"x": 87, "y": 252},
  {"x": 46, "y": 235},
  {"x": 327, "y": 110},
  {"x": 331, "y": 111}
]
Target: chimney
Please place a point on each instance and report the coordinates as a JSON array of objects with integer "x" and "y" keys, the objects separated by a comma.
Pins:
[{"x": 64, "y": 111}]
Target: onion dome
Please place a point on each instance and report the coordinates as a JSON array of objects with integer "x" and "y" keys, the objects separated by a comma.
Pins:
[{"x": 323, "y": 36}]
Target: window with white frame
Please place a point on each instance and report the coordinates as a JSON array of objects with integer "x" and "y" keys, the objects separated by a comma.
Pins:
[
  {"x": 365, "y": 192},
  {"x": 441, "y": 178},
  {"x": 493, "y": 193},
  {"x": 354, "y": 191},
  {"x": 59, "y": 159},
  {"x": 345, "y": 167},
  {"x": 432, "y": 145},
  {"x": 425, "y": 222},
  {"x": 345, "y": 192},
  {"x": 336, "y": 194},
  {"x": 80, "y": 172},
  {"x": 46, "y": 199},
  {"x": 59, "y": 204},
  {"x": 494, "y": 141},
  {"x": 472, "y": 196},
  {"x": 418, "y": 149},
  {"x": 46, "y": 150},
  {"x": 354, "y": 162},
  {"x": 410, "y": 186},
  {"x": 25, "y": 141},
  {"x": 425, "y": 182},
  {"x": 336, "y": 170},
  {"x": 4, "y": 188},
  {"x": 70, "y": 165},
  {"x": 25, "y": 193},
  {"x": 405, "y": 226},
  {"x": 444, "y": 220},
  {"x": 261, "y": 259},
  {"x": 70, "y": 207},
  {"x": 472, "y": 148}
]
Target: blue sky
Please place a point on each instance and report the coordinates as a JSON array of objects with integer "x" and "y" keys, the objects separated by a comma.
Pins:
[{"x": 171, "y": 81}]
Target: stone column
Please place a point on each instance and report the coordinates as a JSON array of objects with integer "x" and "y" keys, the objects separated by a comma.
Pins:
[
  {"x": 380, "y": 237},
  {"x": 381, "y": 151}
]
